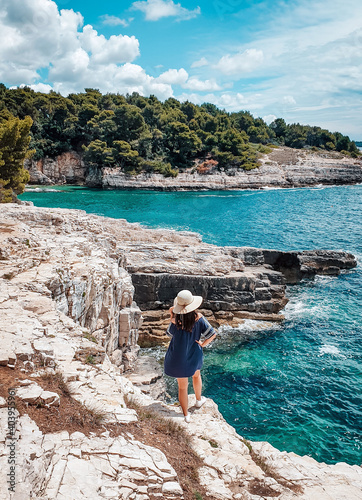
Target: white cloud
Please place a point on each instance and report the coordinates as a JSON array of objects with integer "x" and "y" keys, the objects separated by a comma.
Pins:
[
  {"x": 174, "y": 77},
  {"x": 306, "y": 67},
  {"x": 116, "y": 49},
  {"x": 200, "y": 63},
  {"x": 12, "y": 74},
  {"x": 194, "y": 83},
  {"x": 157, "y": 9},
  {"x": 114, "y": 78},
  {"x": 70, "y": 67},
  {"x": 289, "y": 100},
  {"x": 38, "y": 87},
  {"x": 34, "y": 34},
  {"x": 108, "y": 20},
  {"x": 181, "y": 77},
  {"x": 241, "y": 63},
  {"x": 269, "y": 118},
  {"x": 229, "y": 101}
]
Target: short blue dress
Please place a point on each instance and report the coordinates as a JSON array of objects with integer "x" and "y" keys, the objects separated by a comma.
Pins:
[{"x": 184, "y": 355}]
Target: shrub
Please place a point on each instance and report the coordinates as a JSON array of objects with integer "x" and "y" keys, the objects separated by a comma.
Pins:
[{"x": 206, "y": 167}]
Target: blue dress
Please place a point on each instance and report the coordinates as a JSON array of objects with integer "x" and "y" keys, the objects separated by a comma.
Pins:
[{"x": 184, "y": 355}]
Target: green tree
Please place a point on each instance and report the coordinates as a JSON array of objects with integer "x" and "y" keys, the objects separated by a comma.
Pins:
[
  {"x": 258, "y": 134},
  {"x": 243, "y": 120},
  {"x": 125, "y": 156},
  {"x": 279, "y": 127},
  {"x": 14, "y": 144},
  {"x": 98, "y": 154},
  {"x": 130, "y": 123},
  {"x": 181, "y": 143},
  {"x": 234, "y": 150},
  {"x": 342, "y": 142}
]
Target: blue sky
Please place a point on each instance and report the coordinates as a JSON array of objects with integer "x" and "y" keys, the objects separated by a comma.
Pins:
[{"x": 299, "y": 59}]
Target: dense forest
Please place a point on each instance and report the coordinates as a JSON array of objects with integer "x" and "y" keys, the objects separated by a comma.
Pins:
[{"x": 139, "y": 133}]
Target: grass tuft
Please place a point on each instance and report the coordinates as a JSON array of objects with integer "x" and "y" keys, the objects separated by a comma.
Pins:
[
  {"x": 90, "y": 359},
  {"x": 95, "y": 413},
  {"x": 90, "y": 337},
  {"x": 59, "y": 380},
  {"x": 166, "y": 426}
]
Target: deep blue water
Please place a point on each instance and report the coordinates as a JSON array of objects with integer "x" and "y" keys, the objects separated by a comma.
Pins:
[{"x": 297, "y": 385}]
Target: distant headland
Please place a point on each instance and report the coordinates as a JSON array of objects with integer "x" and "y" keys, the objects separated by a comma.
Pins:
[{"x": 131, "y": 141}]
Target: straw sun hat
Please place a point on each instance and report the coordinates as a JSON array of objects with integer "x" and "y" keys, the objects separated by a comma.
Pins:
[{"x": 185, "y": 302}]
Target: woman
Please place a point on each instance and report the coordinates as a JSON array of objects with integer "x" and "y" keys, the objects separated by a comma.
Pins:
[{"x": 189, "y": 332}]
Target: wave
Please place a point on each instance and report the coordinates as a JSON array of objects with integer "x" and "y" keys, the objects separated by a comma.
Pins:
[
  {"x": 330, "y": 349},
  {"x": 248, "y": 326},
  {"x": 217, "y": 195},
  {"x": 300, "y": 309},
  {"x": 42, "y": 190}
]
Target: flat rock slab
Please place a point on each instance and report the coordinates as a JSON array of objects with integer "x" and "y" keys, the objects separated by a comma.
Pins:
[
  {"x": 7, "y": 357},
  {"x": 33, "y": 394}
]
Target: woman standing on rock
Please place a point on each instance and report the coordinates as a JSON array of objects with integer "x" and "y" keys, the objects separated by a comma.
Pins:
[{"x": 189, "y": 332}]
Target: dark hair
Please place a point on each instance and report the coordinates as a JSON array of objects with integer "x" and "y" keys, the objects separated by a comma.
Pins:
[{"x": 186, "y": 321}]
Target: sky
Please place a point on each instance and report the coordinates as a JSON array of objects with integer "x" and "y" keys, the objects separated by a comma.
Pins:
[{"x": 299, "y": 59}]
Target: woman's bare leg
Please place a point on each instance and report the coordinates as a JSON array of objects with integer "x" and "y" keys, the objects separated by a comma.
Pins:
[
  {"x": 197, "y": 383},
  {"x": 183, "y": 394}
]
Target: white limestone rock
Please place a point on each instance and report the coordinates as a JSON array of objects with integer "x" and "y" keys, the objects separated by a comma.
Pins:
[
  {"x": 172, "y": 488},
  {"x": 50, "y": 398},
  {"x": 29, "y": 394},
  {"x": 32, "y": 394},
  {"x": 7, "y": 356}
]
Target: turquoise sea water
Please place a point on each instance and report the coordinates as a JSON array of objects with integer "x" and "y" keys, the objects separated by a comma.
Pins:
[{"x": 297, "y": 385}]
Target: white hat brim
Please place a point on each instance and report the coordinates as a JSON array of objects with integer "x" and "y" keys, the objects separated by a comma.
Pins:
[{"x": 196, "y": 302}]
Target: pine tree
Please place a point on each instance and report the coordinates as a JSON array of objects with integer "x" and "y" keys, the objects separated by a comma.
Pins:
[{"x": 14, "y": 144}]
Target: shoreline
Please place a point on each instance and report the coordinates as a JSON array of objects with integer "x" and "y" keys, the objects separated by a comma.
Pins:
[
  {"x": 283, "y": 167},
  {"x": 52, "y": 188}
]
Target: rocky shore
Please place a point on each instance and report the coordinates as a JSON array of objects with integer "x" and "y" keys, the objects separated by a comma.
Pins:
[
  {"x": 74, "y": 290},
  {"x": 283, "y": 168}
]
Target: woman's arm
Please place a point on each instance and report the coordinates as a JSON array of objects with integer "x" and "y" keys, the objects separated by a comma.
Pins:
[
  {"x": 207, "y": 341},
  {"x": 172, "y": 315}
]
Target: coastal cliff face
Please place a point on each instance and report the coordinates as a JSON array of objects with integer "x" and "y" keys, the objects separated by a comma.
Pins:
[
  {"x": 60, "y": 261},
  {"x": 67, "y": 312},
  {"x": 68, "y": 168},
  {"x": 284, "y": 167},
  {"x": 280, "y": 176}
]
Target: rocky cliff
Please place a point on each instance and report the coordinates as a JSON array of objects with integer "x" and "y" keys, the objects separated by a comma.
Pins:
[
  {"x": 56, "y": 258},
  {"x": 68, "y": 168},
  {"x": 68, "y": 329},
  {"x": 284, "y": 167}
]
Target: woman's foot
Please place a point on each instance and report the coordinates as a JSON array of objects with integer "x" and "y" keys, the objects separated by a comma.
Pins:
[
  {"x": 200, "y": 402},
  {"x": 187, "y": 418}
]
